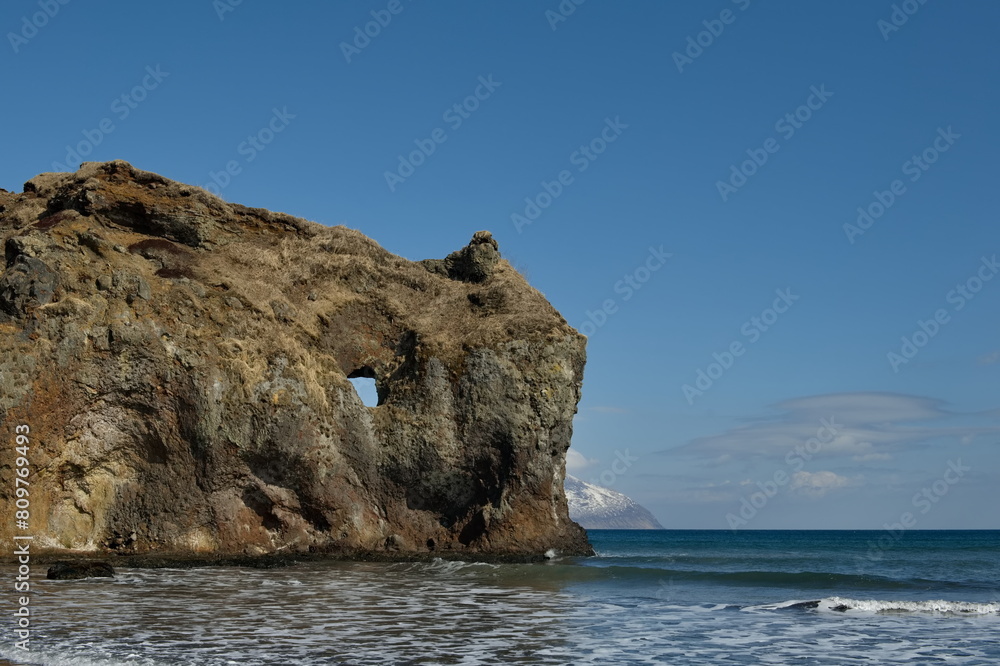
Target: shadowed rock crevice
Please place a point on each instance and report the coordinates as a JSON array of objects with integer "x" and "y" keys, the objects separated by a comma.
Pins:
[
  {"x": 27, "y": 282},
  {"x": 183, "y": 364},
  {"x": 263, "y": 506}
]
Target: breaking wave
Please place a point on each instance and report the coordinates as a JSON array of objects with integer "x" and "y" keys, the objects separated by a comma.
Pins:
[{"x": 843, "y": 605}]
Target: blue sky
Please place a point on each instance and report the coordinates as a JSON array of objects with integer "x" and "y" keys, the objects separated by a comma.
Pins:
[{"x": 634, "y": 144}]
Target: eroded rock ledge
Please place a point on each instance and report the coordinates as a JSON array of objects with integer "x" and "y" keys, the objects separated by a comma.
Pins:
[{"x": 183, "y": 365}]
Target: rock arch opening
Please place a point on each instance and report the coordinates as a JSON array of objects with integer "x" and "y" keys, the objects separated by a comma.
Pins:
[{"x": 363, "y": 380}]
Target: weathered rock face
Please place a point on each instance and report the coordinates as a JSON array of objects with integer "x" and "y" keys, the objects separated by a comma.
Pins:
[{"x": 183, "y": 366}]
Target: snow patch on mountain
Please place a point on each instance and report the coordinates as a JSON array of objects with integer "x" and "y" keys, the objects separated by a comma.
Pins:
[{"x": 597, "y": 508}]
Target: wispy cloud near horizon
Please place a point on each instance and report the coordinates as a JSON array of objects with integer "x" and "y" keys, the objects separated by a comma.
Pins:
[
  {"x": 990, "y": 359},
  {"x": 861, "y": 427}
]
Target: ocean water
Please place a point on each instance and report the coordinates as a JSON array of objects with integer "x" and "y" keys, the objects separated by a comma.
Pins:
[{"x": 663, "y": 597}]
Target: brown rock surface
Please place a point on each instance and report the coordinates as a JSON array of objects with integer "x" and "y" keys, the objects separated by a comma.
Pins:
[{"x": 183, "y": 366}]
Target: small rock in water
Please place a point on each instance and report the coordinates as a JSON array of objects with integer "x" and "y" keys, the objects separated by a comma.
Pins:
[{"x": 77, "y": 570}]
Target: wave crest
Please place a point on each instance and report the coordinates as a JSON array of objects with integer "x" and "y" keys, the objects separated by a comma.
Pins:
[{"x": 843, "y": 605}]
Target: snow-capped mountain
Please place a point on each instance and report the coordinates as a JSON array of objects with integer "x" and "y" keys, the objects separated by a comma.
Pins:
[{"x": 597, "y": 508}]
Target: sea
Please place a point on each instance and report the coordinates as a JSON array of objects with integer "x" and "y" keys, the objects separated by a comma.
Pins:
[{"x": 648, "y": 597}]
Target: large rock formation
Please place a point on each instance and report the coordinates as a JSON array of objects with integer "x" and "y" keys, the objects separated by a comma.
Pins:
[{"x": 183, "y": 366}]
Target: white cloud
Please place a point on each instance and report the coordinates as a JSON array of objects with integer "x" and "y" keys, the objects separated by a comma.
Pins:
[
  {"x": 576, "y": 462},
  {"x": 868, "y": 426},
  {"x": 817, "y": 484},
  {"x": 990, "y": 359}
]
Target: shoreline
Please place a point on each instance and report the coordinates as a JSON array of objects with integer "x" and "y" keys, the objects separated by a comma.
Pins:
[{"x": 271, "y": 560}]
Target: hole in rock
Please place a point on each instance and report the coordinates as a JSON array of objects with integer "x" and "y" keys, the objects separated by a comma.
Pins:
[{"x": 365, "y": 388}]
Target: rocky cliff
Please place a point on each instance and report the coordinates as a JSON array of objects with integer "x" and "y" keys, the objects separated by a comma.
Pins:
[{"x": 182, "y": 364}]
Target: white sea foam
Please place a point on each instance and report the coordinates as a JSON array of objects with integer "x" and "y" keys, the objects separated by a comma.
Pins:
[
  {"x": 49, "y": 657},
  {"x": 461, "y": 612},
  {"x": 439, "y": 565},
  {"x": 844, "y": 605},
  {"x": 934, "y": 606},
  {"x": 777, "y": 606}
]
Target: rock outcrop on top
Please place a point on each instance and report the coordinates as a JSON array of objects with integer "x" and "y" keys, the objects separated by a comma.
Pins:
[{"x": 183, "y": 362}]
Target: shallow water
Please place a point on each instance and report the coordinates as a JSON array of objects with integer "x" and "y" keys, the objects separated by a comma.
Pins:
[{"x": 648, "y": 598}]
